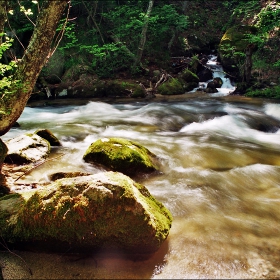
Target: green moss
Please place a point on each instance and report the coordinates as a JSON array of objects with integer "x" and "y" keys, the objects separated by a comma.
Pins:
[
  {"x": 72, "y": 215},
  {"x": 189, "y": 76},
  {"x": 172, "y": 87},
  {"x": 270, "y": 92},
  {"x": 9, "y": 196},
  {"x": 233, "y": 44},
  {"x": 121, "y": 155}
]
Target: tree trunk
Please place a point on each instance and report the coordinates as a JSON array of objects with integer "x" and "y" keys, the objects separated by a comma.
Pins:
[
  {"x": 32, "y": 62},
  {"x": 3, "y": 5},
  {"x": 248, "y": 63},
  {"x": 144, "y": 34}
]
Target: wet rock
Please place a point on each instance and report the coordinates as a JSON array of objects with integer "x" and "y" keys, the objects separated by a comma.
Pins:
[
  {"x": 218, "y": 82},
  {"x": 84, "y": 213},
  {"x": 48, "y": 135},
  {"x": 3, "y": 153},
  {"x": 121, "y": 155},
  {"x": 27, "y": 148},
  {"x": 211, "y": 87},
  {"x": 61, "y": 175},
  {"x": 205, "y": 75}
]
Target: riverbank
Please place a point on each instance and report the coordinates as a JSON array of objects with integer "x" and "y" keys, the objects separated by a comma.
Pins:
[{"x": 158, "y": 98}]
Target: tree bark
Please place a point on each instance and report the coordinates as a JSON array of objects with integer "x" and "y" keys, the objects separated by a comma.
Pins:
[
  {"x": 3, "y": 5},
  {"x": 36, "y": 55},
  {"x": 248, "y": 63},
  {"x": 144, "y": 34}
]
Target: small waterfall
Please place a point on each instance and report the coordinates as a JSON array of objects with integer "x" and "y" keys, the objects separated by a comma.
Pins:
[{"x": 218, "y": 71}]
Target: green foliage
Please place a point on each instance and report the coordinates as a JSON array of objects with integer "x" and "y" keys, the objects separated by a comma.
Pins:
[
  {"x": 269, "y": 18},
  {"x": 171, "y": 87},
  {"x": 7, "y": 83},
  {"x": 272, "y": 92},
  {"x": 277, "y": 64},
  {"x": 70, "y": 38},
  {"x": 107, "y": 58}
]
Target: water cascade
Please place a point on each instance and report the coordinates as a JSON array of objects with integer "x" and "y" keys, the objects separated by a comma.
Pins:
[{"x": 218, "y": 71}]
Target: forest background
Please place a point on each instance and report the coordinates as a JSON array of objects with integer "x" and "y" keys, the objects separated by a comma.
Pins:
[{"x": 130, "y": 40}]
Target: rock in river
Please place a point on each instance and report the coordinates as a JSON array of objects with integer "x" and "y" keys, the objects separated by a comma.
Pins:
[
  {"x": 121, "y": 155},
  {"x": 27, "y": 148},
  {"x": 106, "y": 209}
]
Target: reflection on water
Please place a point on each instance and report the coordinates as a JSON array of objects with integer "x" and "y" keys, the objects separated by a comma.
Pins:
[{"x": 220, "y": 180}]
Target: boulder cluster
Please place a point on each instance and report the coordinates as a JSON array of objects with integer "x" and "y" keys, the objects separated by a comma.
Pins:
[{"x": 83, "y": 211}]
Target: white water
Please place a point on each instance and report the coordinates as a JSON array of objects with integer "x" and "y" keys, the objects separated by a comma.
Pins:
[
  {"x": 218, "y": 72},
  {"x": 221, "y": 182}
]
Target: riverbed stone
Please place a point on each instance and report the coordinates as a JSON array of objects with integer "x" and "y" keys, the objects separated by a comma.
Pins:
[
  {"x": 121, "y": 155},
  {"x": 49, "y": 136},
  {"x": 107, "y": 209},
  {"x": 218, "y": 82},
  {"x": 205, "y": 75},
  {"x": 27, "y": 148},
  {"x": 3, "y": 153}
]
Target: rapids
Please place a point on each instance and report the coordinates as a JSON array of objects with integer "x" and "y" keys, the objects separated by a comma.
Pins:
[{"x": 220, "y": 163}]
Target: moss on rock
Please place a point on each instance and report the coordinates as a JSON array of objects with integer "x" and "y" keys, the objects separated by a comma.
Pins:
[
  {"x": 188, "y": 76},
  {"x": 172, "y": 87},
  {"x": 121, "y": 155},
  {"x": 233, "y": 44},
  {"x": 106, "y": 209}
]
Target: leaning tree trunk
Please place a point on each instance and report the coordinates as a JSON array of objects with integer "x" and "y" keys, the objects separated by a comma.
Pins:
[
  {"x": 144, "y": 34},
  {"x": 36, "y": 55}
]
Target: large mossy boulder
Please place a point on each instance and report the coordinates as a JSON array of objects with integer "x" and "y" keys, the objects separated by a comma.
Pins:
[
  {"x": 121, "y": 155},
  {"x": 85, "y": 213},
  {"x": 188, "y": 76},
  {"x": 189, "y": 80},
  {"x": 171, "y": 87},
  {"x": 233, "y": 44},
  {"x": 27, "y": 148}
]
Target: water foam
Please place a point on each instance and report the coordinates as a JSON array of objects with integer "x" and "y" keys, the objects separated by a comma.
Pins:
[{"x": 273, "y": 110}]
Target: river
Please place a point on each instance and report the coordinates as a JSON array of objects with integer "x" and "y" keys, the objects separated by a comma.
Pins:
[{"x": 220, "y": 179}]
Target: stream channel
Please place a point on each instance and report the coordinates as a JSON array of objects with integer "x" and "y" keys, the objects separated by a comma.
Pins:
[{"x": 220, "y": 179}]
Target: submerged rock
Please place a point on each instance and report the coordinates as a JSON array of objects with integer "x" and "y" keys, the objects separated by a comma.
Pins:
[
  {"x": 121, "y": 155},
  {"x": 103, "y": 210},
  {"x": 27, "y": 148}
]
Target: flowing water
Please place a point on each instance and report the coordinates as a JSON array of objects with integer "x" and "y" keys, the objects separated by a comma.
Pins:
[
  {"x": 218, "y": 72},
  {"x": 220, "y": 180}
]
